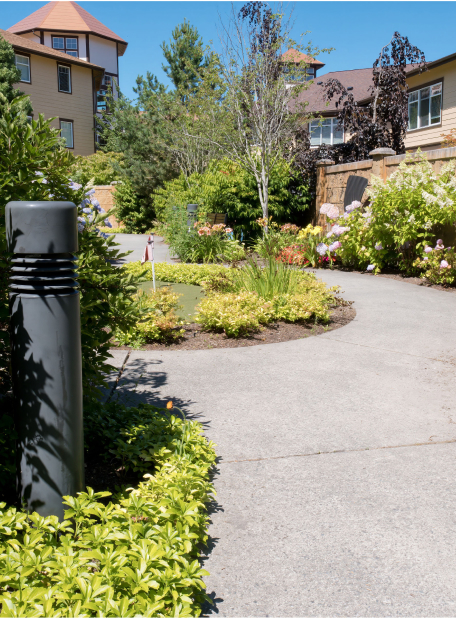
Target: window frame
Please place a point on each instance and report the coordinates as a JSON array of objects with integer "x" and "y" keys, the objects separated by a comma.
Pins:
[
  {"x": 418, "y": 89},
  {"x": 320, "y": 126},
  {"x": 67, "y": 66},
  {"x": 72, "y": 130},
  {"x": 65, "y": 50},
  {"x": 24, "y": 55}
]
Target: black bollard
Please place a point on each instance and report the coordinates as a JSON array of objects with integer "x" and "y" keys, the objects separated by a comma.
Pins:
[{"x": 46, "y": 353}]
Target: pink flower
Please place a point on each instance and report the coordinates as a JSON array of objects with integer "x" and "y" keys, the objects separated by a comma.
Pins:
[
  {"x": 324, "y": 208},
  {"x": 427, "y": 249},
  {"x": 425, "y": 259},
  {"x": 333, "y": 212},
  {"x": 228, "y": 230},
  {"x": 444, "y": 264}
]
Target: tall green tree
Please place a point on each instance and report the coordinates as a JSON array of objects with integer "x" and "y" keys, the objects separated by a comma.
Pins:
[
  {"x": 10, "y": 75},
  {"x": 186, "y": 57}
]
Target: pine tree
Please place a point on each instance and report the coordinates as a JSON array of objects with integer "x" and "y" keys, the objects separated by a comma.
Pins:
[
  {"x": 10, "y": 75},
  {"x": 186, "y": 59}
]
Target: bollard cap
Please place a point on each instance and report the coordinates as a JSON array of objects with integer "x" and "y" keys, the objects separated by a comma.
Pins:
[{"x": 42, "y": 227}]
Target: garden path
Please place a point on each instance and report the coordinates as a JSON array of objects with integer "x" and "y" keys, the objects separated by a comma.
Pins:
[
  {"x": 336, "y": 480},
  {"x": 136, "y": 244}
]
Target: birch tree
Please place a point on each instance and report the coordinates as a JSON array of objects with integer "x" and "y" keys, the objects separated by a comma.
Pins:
[{"x": 260, "y": 113}]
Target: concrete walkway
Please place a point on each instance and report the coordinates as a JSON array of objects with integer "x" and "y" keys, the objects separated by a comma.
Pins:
[
  {"x": 136, "y": 243},
  {"x": 336, "y": 486}
]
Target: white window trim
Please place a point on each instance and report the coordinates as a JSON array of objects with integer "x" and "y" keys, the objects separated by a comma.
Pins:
[
  {"x": 24, "y": 81},
  {"x": 428, "y": 126},
  {"x": 333, "y": 122},
  {"x": 70, "y": 91}
]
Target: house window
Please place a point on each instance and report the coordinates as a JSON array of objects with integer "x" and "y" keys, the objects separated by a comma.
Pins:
[
  {"x": 298, "y": 75},
  {"x": 64, "y": 76},
  {"x": 67, "y": 44},
  {"x": 425, "y": 107},
  {"x": 108, "y": 82},
  {"x": 23, "y": 64},
  {"x": 66, "y": 131},
  {"x": 328, "y": 131}
]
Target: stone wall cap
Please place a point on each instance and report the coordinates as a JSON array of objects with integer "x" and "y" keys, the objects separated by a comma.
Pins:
[
  {"x": 382, "y": 152},
  {"x": 325, "y": 162}
]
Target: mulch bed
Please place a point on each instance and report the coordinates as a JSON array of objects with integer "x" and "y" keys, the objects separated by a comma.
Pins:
[{"x": 197, "y": 339}]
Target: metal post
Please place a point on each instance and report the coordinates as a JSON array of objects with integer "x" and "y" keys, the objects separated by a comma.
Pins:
[{"x": 46, "y": 352}]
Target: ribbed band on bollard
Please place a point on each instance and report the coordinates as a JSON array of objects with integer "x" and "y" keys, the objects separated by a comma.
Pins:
[{"x": 46, "y": 352}]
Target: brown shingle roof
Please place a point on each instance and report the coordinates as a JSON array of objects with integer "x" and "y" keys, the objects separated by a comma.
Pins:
[
  {"x": 359, "y": 79},
  {"x": 66, "y": 17},
  {"x": 292, "y": 55}
]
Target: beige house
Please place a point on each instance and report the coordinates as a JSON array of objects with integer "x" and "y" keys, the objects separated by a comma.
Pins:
[
  {"x": 67, "y": 59},
  {"x": 432, "y": 104},
  {"x": 59, "y": 86}
]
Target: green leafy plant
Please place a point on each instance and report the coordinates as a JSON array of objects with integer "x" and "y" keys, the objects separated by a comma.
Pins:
[
  {"x": 101, "y": 168},
  {"x": 157, "y": 322},
  {"x": 404, "y": 215},
  {"x": 269, "y": 281},
  {"x": 131, "y": 210},
  {"x": 191, "y": 274},
  {"x": 136, "y": 554},
  {"x": 438, "y": 265}
]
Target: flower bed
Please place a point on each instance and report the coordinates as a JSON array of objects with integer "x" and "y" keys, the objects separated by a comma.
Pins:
[
  {"x": 132, "y": 554},
  {"x": 240, "y": 301}
]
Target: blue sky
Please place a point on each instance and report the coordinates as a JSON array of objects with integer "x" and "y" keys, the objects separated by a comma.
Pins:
[{"x": 357, "y": 30}]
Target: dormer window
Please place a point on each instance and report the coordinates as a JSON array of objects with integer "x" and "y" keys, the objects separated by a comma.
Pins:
[
  {"x": 298, "y": 76},
  {"x": 67, "y": 44}
]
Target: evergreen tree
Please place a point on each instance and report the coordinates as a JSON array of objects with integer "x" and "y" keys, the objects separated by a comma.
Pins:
[
  {"x": 9, "y": 75},
  {"x": 186, "y": 59}
]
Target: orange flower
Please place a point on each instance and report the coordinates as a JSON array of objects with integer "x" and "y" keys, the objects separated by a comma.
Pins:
[{"x": 169, "y": 405}]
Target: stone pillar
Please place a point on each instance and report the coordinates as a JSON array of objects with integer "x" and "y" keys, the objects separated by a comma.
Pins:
[
  {"x": 321, "y": 190},
  {"x": 378, "y": 155}
]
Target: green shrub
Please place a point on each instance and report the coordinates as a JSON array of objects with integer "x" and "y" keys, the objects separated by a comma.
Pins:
[
  {"x": 438, "y": 265},
  {"x": 134, "y": 555},
  {"x": 131, "y": 210},
  {"x": 269, "y": 281},
  {"x": 226, "y": 188},
  {"x": 201, "y": 242},
  {"x": 274, "y": 237},
  {"x": 158, "y": 321},
  {"x": 402, "y": 218},
  {"x": 191, "y": 274},
  {"x": 101, "y": 168}
]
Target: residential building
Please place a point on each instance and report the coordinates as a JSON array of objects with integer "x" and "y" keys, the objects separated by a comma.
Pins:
[
  {"x": 432, "y": 104},
  {"x": 69, "y": 52},
  {"x": 292, "y": 56}
]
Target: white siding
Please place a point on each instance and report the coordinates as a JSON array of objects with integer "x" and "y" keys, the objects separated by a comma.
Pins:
[{"x": 103, "y": 53}]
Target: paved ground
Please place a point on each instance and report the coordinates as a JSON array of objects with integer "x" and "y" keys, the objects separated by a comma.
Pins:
[
  {"x": 136, "y": 244},
  {"x": 336, "y": 481}
]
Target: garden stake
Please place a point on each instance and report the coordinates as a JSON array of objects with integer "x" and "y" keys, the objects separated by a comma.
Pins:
[
  {"x": 148, "y": 255},
  {"x": 46, "y": 353}
]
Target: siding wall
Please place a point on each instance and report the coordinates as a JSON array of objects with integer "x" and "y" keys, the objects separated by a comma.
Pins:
[
  {"x": 430, "y": 136},
  {"x": 47, "y": 100}
]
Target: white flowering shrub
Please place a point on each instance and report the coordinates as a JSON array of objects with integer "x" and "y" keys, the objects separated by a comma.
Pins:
[{"x": 402, "y": 217}]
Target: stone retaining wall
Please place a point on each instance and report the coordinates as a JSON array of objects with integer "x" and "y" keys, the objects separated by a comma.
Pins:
[
  {"x": 104, "y": 194},
  {"x": 332, "y": 179}
]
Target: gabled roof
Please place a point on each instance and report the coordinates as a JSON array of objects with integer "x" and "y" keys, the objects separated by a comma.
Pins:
[
  {"x": 292, "y": 55},
  {"x": 66, "y": 17}
]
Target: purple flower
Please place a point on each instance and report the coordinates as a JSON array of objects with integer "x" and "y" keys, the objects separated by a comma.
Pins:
[
  {"x": 440, "y": 244},
  {"x": 427, "y": 249},
  {"x": 81, "y": 224},
  {"x": 425, "y": 259},
  {"x": 88, "y": 211},
  {"x": 95, "y": 202},
  {"x": 91, "y": 192},
  {"x": 370, "y": 267},
  {"x": 108, "y": 223},
  {"x": 322, "y": 248},
  {"x": 336, "y": 245},
  {"x": 74, "y": 185},
  {"x": 379, "y": 246},
  {"x": 443, "y": 264}
]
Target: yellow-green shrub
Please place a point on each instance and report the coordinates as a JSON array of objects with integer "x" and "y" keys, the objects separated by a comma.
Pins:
[
  {"x": 158, "y": 319},
  {"x": 191, "y": 274},
  {"x": 136, "y": 555}
]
